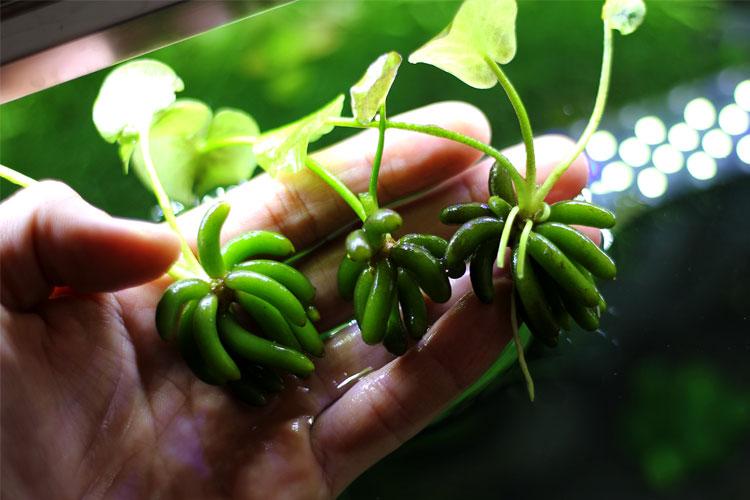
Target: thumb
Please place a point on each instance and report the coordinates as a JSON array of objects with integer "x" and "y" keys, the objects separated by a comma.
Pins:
[{"x": 49, "y": 236}]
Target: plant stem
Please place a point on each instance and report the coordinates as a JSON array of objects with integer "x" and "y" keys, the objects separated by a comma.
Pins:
[
  {"x": 596, "y": 116},
  {"x": 178, "y": 271},
  {"x": 436, "y": 131},
  {"x": 522, "y": 242},
  {"x": 378, "y": 158},
  {"x": 519, "y": 346},
  {"x": 237, "y": 140},
  {"x": 191, "y": 263},
  {"x": 337, "y": 186},
  {"x": 523, "y": 122},
  {"x": 16, "y": 177},
  {"x": 505, "y": 236}
]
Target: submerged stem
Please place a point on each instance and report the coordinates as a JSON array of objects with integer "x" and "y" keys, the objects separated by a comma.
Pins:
[
  {"x": 162, "y": 198},
  {"x": 338, "y": 186},
  {"x": 16, "y": 177},
  {"x": 523, "y": 122},
  {"x": 378, "y": 158},
  {"x": 519, "y": 347},
  {"x": 596, "y": 116}
]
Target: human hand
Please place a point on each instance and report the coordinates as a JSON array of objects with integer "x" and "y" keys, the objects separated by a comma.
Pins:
[{"x": 95, "y": 404}]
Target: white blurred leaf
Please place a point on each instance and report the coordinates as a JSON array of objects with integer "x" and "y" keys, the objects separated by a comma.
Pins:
[{"x": 130, "y": 95}]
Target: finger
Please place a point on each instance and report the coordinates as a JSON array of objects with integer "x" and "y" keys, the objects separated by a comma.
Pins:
[
  {"x": 51, "y": 237},
  {"x": 389, "y": 406},
  {"x": 305, "y": 209},
  {"x": 421, "y": 215}
]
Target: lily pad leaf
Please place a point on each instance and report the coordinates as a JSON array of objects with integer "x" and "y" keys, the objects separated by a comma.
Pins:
[
  {"x": 229, "y": 164},
  {"x": 130, "y": 96},
  {"x": 284, "y": 149},
  {"x": 370, "y": 92},
  {"x": 624, "y": 16},
  {"x": 173, "y": 138},
  {"x": 480, "y": 29}
]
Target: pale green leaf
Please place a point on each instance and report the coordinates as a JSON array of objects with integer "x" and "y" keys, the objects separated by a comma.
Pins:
[
  {"x": 284, "y": 149},
  {"x": 174, "y": 136},
  {"x": 126, "y": 149},
  {"x": 370, "y": 92},
  {"x": 130, "y": 95},
  {"x": 624, "y": 15},
  {"x": 480, "y": 29},
  {"x": 230, "y": 164}
]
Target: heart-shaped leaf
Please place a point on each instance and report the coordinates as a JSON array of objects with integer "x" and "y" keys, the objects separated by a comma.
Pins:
[
  {"x": 480, "y": 29},
  {"x": 129, "y": 97},
  {"x": 623, "y": 15},
  {"x": 176, "y": 139},
  {"x": 370, "y": 92},
  {"x": 173, "y": 139},
  {"x": 230, "y": 164},
  {"x": 284, "y": 149}
]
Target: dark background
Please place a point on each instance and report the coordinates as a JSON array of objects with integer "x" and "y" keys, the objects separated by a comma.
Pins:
[{"x": 656, "y": 404}]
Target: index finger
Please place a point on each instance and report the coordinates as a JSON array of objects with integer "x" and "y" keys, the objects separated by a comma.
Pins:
[{"x": 305, "y": 209}]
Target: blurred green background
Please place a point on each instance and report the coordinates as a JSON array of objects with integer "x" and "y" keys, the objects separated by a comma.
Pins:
[{"x": 656, "y": 407}]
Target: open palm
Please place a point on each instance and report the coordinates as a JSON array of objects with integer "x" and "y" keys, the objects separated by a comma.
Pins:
[{"x": 94, "y": 404}]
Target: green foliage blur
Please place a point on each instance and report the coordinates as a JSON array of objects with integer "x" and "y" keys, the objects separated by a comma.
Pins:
[{"x": 288, "y": 62}]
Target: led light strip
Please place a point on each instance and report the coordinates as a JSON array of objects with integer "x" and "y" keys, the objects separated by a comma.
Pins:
[{"x": 655, "y": 155}]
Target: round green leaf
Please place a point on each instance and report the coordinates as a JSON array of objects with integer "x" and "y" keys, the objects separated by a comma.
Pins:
[
  {"x": 175, "y": 133},
  {"x": 230, "y": 164},
  {"x": 480, "y": 29},
  {"x": 370, "y": 92},
  {"x": 624, "y": 15},
  {"x": 284, "y": 149},
  {"x": 130, "y": 95}
]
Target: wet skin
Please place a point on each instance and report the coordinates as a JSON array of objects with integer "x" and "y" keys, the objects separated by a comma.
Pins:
[{"x": 94, "y": 403}]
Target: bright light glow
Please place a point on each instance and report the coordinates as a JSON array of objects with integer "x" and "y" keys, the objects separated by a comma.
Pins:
[
  {"x": 650, "y": 130},
  {"x": 634, "y": 152},
  {"x": 742, "y": 95},
  {"x": 743, "y": 149},
  {"x": 733, "y": 119},
  {"x": 652, "y": 183},
  {"x": 585, "y": 195},
  {"x": 607, "y": 239},
  {"x": 700, "y": 113},
  {"x": 668, "y": 159},
  {"x": 598, "y": 188},
  {"x": 683, "y": 137},
  {"x": 616, "y": 176},
  {"x": 701, "y": 166},
  {"x": 717, "y": 143},
  {"x": 602, "y": 146}
]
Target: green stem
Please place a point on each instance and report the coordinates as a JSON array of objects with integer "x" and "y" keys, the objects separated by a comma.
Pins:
[
  {"x": 190, "y": 262},
  {"x": 436, "y": 131},
  {"x": 505, "y": 236},
  {"x": 519, "y": 346},
  {"x": 16, "y": 177},
  {"x": 337, "y": 186},
  {"x": 596, "y": 116},
  {"x": 237, "y": 140},
  {"x": 523, "y": 122},
  {"x": 522, "y": 242},
  {"x": 378, "y": 158},
  {"x": 179, "y": 272}
]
